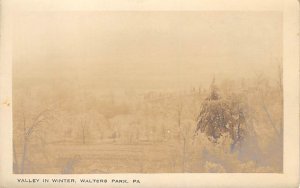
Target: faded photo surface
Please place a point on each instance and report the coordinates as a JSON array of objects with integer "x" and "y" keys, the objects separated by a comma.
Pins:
[{"x": 147, "y": 92}]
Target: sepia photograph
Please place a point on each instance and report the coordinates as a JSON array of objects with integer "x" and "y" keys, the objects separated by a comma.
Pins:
[{"x": 147, "y": 92}]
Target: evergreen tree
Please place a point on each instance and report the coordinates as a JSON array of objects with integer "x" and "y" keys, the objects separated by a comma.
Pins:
[{"x": 219, "y": 116}]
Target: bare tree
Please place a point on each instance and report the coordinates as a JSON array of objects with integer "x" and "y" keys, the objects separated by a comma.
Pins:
[
  {"x": 40, "y": 119},
  {"x": 266, "y": 110},
  {"x": 83, "y": 127},
  {"x": 182, "y": 133},
  {"x": 263, "y": 91}
]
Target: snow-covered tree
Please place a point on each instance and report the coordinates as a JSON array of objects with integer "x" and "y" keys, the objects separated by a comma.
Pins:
[{"x": 219, "y": 116}]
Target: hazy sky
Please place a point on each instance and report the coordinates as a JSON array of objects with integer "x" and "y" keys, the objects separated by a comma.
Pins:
[{"x": 146, "y": 50}]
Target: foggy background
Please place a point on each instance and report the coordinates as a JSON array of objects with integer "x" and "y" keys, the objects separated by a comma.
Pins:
[{"x": 145, "y": 50}]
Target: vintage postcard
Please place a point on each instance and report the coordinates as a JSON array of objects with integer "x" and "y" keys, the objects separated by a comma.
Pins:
[{"x": 149, "y": 94}]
